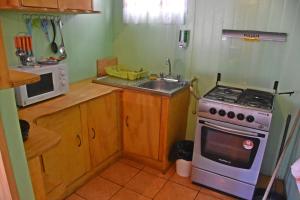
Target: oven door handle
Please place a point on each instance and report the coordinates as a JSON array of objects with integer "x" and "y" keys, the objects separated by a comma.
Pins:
[{"x": 232, "y": 131}]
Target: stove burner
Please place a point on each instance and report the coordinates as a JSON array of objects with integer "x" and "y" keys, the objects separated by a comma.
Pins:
[
  {"x": 257, "y": 99},
  {"x": 248, "y": 97},
  {"x": 226, "y": 94}
]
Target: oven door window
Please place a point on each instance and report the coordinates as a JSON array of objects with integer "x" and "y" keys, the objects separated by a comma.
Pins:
[
  {"x": 45, "y": 85},
  {"x": 229, "y": 149}
]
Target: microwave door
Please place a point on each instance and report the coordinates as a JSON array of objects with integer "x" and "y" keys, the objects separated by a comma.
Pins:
[{"x": 45, "y": 88}]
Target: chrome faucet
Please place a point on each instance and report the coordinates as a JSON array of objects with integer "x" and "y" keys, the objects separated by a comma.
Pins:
[{"x": 168, "y": 62}]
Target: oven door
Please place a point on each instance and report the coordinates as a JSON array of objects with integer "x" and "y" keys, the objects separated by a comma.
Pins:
[
  {"x": 46, "y": 88},
  {"x": 229, "y": 150}
]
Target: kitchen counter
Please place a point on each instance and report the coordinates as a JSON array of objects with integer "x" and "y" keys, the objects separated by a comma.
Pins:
[
  {"x": 128, "y": 84},
  {"x": 40, "y": 139}
]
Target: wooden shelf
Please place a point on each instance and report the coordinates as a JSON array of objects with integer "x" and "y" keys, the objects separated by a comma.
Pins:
[
  {"x": 48, "y": 10},
  {"x": 18, "y": 78}
]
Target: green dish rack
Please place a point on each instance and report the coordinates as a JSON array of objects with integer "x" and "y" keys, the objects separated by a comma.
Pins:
[{"x": 123, "y": 73}]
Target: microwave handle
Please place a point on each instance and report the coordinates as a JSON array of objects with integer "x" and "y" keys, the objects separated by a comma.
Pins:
[{"x": 232, "y": 131}]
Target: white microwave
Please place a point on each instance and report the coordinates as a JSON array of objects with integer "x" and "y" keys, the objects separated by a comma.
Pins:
[{"x": 54, "y": 82}]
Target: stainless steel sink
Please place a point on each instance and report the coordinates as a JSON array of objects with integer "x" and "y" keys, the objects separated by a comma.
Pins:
[{"x": 163, "y": 85}]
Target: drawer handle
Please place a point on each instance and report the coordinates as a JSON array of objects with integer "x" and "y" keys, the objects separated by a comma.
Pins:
[
  {"x": 126, "y": 121},
  {"x": 94, "y": 133},
  {"x": 79, "y": 139}
]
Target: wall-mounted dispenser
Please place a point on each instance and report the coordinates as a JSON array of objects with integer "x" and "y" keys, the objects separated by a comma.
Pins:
[{"x": 184, "y": 37}]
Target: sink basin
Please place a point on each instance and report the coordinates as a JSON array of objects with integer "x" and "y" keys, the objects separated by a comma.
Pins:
[
  {"x": 163, "y": 85},
  {"x": 167, "y": 87}
]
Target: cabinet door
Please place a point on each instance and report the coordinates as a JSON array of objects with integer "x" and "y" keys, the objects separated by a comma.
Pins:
[
  {"x": 141, "y": 123},
  {"x": 40, "y": 3},
  {"x": 76, "y": 4},
  {"x": 104, "y": 129},
  {"x": 69, "y": 159}
]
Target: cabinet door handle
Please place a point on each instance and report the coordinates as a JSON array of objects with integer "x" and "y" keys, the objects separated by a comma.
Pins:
[
  {"x": 79, "y": 139},
  {"x": 126, "y": 121},
  {"x": 94, "y": 133}
]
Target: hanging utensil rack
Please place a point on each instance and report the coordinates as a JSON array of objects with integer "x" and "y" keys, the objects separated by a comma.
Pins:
[{"x": 41, "y": 16}]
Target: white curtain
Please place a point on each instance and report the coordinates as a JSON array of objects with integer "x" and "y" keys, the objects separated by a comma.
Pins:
[{"x": 154, "y": 11}]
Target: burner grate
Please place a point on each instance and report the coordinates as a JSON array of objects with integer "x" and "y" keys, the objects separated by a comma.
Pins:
[
  {"x": 226, "y": 94},
  {"x": 248, "y": 97},
  {"x": 257, "y": 99}
]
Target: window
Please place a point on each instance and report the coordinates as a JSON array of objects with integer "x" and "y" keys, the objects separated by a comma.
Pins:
[{"x": 154, "y": 11}]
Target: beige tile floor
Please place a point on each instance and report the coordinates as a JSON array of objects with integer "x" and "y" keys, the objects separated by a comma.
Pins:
[{"x": 128, "y": 180}]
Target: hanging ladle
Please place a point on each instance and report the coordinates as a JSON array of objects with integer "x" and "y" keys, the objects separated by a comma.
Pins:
[
  {"x": 54, "y": 47},
  {"x": 61, "y": 48}
]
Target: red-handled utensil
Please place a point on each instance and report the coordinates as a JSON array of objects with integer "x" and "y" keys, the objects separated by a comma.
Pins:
[
  {"x": 16, "y": 42},
  {"x": 27, "y": 46},
  {"x": 18, "y": 45},
  {"x": 23, "y": 44},
  {"x": 30, "y": 46}
]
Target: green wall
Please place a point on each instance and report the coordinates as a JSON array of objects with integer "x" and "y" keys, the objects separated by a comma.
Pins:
[
  {"x": 256, "y": 64},
  {"x": 87, "y": 37},
  {"x": 9, "y": 116}
]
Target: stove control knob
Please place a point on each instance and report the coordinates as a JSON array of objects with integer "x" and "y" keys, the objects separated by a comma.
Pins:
[
  {"x": 250, "y": 118},
  {"x": 213, "y": 111},
  {"x": 231, "y": 115},
  {"x": 240, "y": 116},
  {"x": 222, "y": 113}
]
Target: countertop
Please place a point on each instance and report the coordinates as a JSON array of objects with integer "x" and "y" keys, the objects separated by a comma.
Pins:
[
  {"x": 40, "y": 139},
  {"x": 128, "y": 84}
]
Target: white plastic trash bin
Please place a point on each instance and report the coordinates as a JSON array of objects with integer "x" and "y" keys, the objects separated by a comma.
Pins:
[{"x": 183, "y": 167}]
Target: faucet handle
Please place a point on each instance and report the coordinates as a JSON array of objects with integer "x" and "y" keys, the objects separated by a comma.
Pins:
[
  {"x": 161, "y": 75},
  {"x": 168, "y": 61},
  {"x": 178, "y": 77}
]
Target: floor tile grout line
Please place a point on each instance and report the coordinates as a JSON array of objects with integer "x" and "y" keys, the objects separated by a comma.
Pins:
[
  {"x": 111, "y": 181},
  {"x": 156, "y": 175},
  {"x": 142, "y": 193},
  {"x": 119, "y": 183},
  {"x": 196, "y": 195},
  {"x": 131, "y": 165},
  {"x": 79, "y": 195},
  {"x": 130, "y": 180},
  {"x": 160, "y": 189},
  {"x": 133, "y": 177},
  {"x": 116, "y": 193},
  {"x": 151, "y": 175}
]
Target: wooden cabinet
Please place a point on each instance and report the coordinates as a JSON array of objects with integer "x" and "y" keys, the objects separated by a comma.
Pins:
[
  {"x": 9, "y": 3},
  {"x": 70, "y": 158},
  {"x": 90, "y": 140},
  {"x": 141, "y": 123},
  {"x": 40, "y": 3},
  {"x": 152, "y": 124},
  {"x": 76, "y": 4},
  {"x": 65, "y": 6},
  {"x": 104, "y": 130}
]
